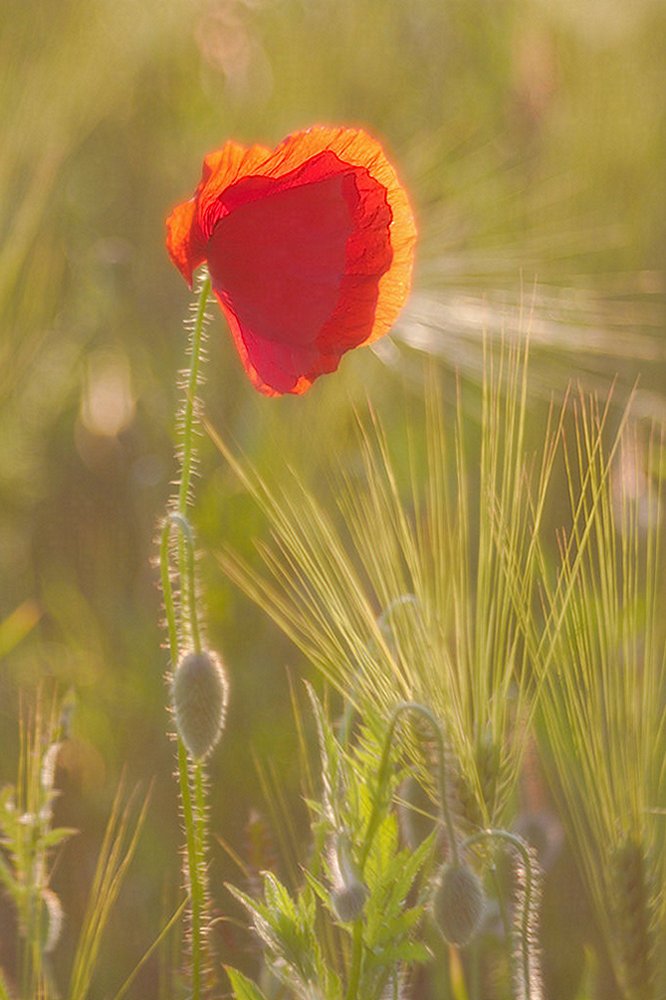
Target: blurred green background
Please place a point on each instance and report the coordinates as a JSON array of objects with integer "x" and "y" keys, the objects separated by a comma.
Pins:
[{"x": 532, "y": 137}]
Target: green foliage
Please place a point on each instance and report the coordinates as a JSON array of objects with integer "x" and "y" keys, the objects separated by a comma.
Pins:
[
  {"x": 454, "y": 579},
  {"x": 604, "y": 670},
  {"x": 244, "y": 988},
  {"x": 121, "y": 838},
  {"x": 356, "y": 819},
  {"x": 28, "y": 839}
]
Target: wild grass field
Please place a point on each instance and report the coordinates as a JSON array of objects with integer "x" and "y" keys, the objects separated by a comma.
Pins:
[{"x": 456, "y": 539}]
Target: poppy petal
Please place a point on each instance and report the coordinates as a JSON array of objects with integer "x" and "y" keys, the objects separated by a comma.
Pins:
[
  {"x": 309, "y": 247},
  {"x": 356, "y": 147},
  {"x": 186, "y": 239}
]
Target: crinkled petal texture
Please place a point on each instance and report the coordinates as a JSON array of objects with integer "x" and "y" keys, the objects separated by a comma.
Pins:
[{"x": 310, "y": 250}]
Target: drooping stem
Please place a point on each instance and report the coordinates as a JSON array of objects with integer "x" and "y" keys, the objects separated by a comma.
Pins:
[
  {"x": 382, "y": 776},
  {"x": 194, "y": 841},
  {"x": 528, "y": 972},
  {"x": 185, "y": 627}
]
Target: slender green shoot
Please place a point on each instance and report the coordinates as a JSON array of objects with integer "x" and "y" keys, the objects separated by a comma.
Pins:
[
  {"x": 448, "y": 547},
  {"x": 115, "y": 856},
  {"x": 605, "y": 684},
  {"x": 172, "y": 921}
]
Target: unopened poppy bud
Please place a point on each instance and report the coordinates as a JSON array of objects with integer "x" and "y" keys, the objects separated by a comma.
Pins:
[
  {"x": 349, "y": 892},
  {"x": 348, "y": 901},
  {"x": 458, "y": 903},
  {"x": 199, "y": 693}
]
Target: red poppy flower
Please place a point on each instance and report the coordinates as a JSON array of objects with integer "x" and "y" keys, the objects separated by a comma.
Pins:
[{"x": 309, "y": 248}]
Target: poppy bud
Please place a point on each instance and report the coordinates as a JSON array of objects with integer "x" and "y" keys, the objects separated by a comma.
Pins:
[
  {"x": 349, "y": 892},
  {"x": 348, "y": 901},
  {"x": 199, "y": 694},
  {"x": 458, "y": 903}
]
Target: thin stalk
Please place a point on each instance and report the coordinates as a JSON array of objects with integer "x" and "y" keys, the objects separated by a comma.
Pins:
[
  {"x": 190, "y": 777},
  {"x": 188, "y": 454},
  {"x": 188, "y": 583},
  {"x": 382, "y": 776},
  {"x": 356, "y": 960},
  {"x": 192, "y": 835},
  {"x": 189, "y": 411}
]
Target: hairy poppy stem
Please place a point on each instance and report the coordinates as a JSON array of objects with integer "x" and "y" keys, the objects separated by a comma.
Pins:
[
  {"x": 528, "y": 971},
  {"x": 382, "y": 775},
  {"x": 190, "y": 773},
  {"x": 189, "y": 412}
]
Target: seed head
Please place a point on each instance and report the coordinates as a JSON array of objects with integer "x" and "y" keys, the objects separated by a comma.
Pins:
[
  {"x": 458, "y": 903},
  {"x": 199, "y": 693},
  {"x": 633, "y": 917}
]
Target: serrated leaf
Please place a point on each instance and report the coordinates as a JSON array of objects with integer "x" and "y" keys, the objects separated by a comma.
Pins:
[
  {"x": 329, "y": 751},
  {"x": 277, "y": 896},
  {"x": 53, "y": 837},
  {"x": 244, "y": 988},
  {"x": 404, "y": 951},
  {"x": 318, "y": 888}
]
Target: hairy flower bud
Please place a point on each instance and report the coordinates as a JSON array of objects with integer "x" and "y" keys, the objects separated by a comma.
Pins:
[
  {"x": 458, "y": 903},
  {"x": 348, "y": 901},
  {"x": 199, "y": 693},
  {"x": 349, "y": 892}
]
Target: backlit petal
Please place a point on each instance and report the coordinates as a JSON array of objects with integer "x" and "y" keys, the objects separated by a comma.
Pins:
[{"x": 309, "y": 247}]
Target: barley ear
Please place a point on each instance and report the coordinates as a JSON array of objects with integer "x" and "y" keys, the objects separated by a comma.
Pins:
[{"x": 631, "y": 919}]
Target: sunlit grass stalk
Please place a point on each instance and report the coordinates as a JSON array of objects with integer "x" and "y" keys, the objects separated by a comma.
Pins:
[
  {"x": 468, "y": 567},
  {"x": 118, "y": 849},
  {"x": 604, "y": 671},
  {"x": 173, "y": 919},
  {"x": 184, "y": 631}
]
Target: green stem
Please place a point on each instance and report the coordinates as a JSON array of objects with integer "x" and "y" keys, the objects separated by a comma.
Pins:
[
  {"x": 382, "y": 776},
  {"x": 189, "y": 412},
  {"x": 195, "y": 862},
  {"x": 188, "y": 585},
  {"x": 188, "y": 453},
  {"x": 200, "y": 807},
  {"x": 356, "y": 960},
  {"x": 194, "y": 854},
  {"x": 189, "y": 775}
]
